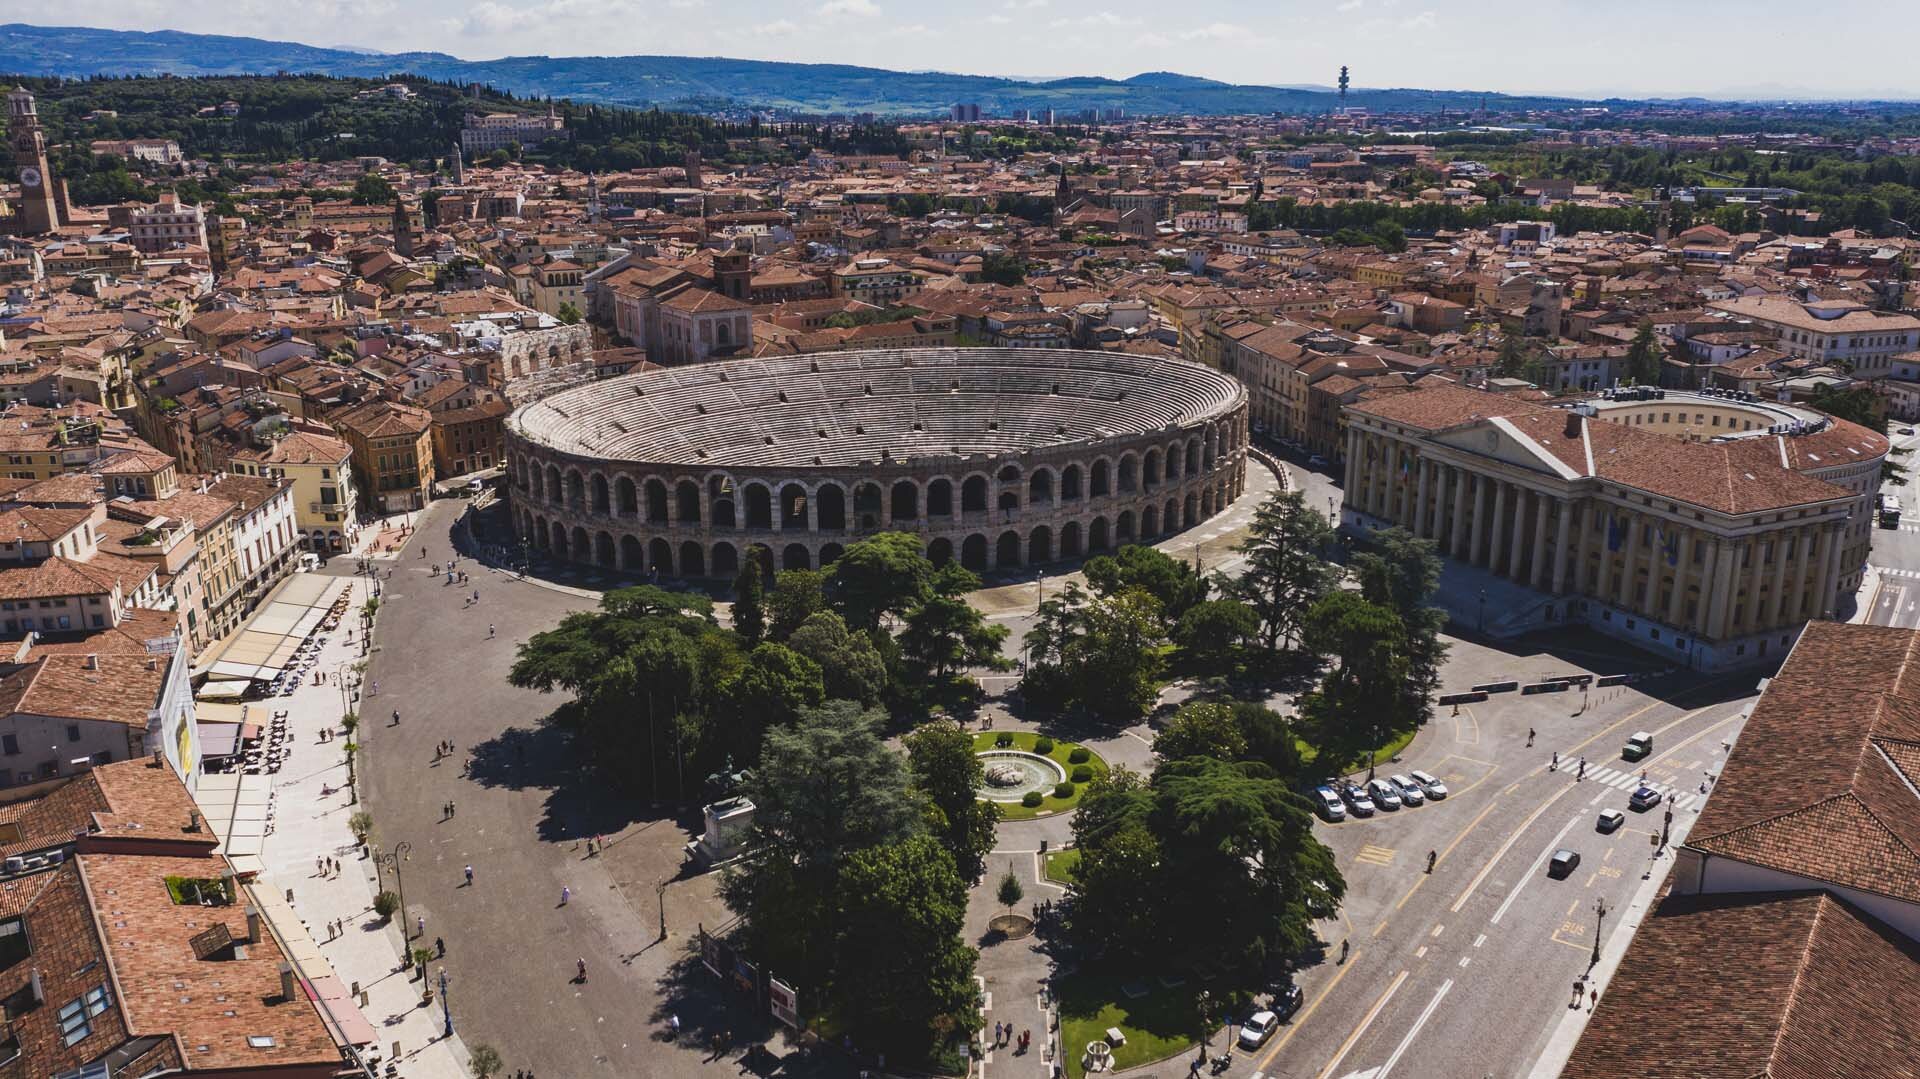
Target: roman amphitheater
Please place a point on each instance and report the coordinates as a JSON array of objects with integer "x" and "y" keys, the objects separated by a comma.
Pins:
[{"x": 999, "y": 458}]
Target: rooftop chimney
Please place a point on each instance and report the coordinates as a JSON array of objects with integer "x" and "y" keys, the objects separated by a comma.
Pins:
[
  {"x": 253, "y": 928},
  {"x": 92, "y": 662},
  {"x": 286, "y": 982},
  {"x": 1573, "y": 425}
]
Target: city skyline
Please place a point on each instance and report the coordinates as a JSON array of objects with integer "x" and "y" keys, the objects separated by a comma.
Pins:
[{"x": 1430, "y": 44}]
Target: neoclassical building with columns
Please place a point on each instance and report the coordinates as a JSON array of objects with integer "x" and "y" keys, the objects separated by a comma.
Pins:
[
  {"x": 1706, "y": 527},
  {"x": 999, "y": 458}
]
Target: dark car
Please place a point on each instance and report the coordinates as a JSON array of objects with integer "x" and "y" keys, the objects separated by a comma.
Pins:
[
  {"x": 1563, "y": 863},
  {"x": 1286, "y": 1001}
]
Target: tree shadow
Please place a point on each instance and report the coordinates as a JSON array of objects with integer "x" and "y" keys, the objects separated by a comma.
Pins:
[{"x": 579, "y": 802}]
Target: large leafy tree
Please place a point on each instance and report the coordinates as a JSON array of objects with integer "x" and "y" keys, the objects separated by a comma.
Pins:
[
  {"x": 851, "y": 668},
  {"x": 798, "y": 594},
  {"x": 1202, "y": 729},
  {"x": 945, "y": 635},
  {"x": 766, "y": 692},
  {"x": 1117, "y": 895},
  {"x": 1287, "y": 571},
  {"x": 749, "y": 605},
  {"x": 948, "y": 772},
  {"x": 1644, "y": 355},
  {"x": 1175, "y": 584},
  {"x": 878, "y": 578},
  {"x": 903, "y": 974},
  {"x": 1211, "y": 634},
  {"x": 1103, "y": 654},
  {"x": 1402, "y": 572},
  {"x": 1358, "y": 701}
]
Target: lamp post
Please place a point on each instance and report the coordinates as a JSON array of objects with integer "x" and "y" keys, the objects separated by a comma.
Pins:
[
  {"x": 1599, "y": 919},
  {"x": 1483, "y": 610},
  {"x": 660, "y": 895},
  {"x": 1373, "y": 749},
  {"x": 393, "y": 860},
  {"x": 446, "y": 1011}
]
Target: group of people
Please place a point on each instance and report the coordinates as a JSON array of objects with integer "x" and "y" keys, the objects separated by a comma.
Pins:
[{"x": 1003, "y": 1035}]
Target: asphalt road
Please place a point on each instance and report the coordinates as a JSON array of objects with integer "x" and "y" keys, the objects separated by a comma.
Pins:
[{"x": 1895, "y": 601}]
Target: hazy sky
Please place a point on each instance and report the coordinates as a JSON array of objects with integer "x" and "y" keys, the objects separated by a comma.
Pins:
[{"x": 1835, "y": 48}]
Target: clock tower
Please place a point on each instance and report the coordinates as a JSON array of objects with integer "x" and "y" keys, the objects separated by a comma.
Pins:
[{"x": 39, "y": 212}]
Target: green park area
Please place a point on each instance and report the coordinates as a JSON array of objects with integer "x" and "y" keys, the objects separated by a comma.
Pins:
[{"x": 1073, "y": 758}]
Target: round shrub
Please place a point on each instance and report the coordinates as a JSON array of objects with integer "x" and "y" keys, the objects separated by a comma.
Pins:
[
  {"x": 1002, "y": 740},
  {"x": 1082, "y": 773},
  {"x": 1031, "y": 800},
  {"x": 1043, "y": 745},
  {"x": 1063, "y": 790},
  {"x": 1079, "y": 755},
  {"x": 385, "y": 904}
]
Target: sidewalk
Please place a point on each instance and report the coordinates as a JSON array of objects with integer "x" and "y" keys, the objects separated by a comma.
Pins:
[{"x": 311, "y": 825}]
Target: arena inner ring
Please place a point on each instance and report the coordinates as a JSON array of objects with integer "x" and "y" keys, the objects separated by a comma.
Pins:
[{"x": 1001, "y": 458}]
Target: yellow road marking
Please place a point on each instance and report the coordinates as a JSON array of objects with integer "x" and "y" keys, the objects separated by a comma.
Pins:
[
  {"x": 1375, "y": 855},
  {"x": 1301, "y": 1019},
  {"x": 1365, "y": 1022},
  {"x": 1464, "y": 832}
]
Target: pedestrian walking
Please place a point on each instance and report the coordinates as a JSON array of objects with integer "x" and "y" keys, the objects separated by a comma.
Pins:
[
  {"x": 469, "y": 876},
  {"x": 396, "y": 717},
  {"x": 489, "y": 631},
  {"x": 566, "y": 893},
  {"x": 1554, "y": 766},
  {"x": 580, "y": 966},
  {"x": 452, "y": 810},
  {"x": 439, "y": 947},
  {"x": 1583, "y": 768},
  {"x": 420, "y": 921},
  {"x": 1529, "y": 737},
  {"x": 476, "y": 595}
]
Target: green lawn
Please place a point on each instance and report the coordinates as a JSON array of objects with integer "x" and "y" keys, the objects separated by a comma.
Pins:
[
  {"x": 1024, "y": 740},
  {"x": 1157, "y": 1025},
  {"x": 1062, "y": 864},
  {"x": 1381, "y": 756}
]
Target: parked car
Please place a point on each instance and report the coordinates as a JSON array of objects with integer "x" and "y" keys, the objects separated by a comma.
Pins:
[
  {"x": 1906, "y": 430},
  {"x": 1257, "y": 1029},
  {"x": 1328, "y": 804},
  {"x": 1357, "y": 801},
  {"x": 1410, "y": 792},
  {"x": 1430, "y": 784},
  {"x": 1610, "y": 821},
  {"x": 1637, "y": 746},
  {"x": 1383, "y": 794},
  {"x": 1562, "y": 863},
  {"x": 1286, "y": 1001},
  {"x": 1644, "y": 799}
]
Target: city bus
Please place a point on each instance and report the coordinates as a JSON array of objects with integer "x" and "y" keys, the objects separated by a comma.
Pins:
[{"x": 1889, "y": 511}]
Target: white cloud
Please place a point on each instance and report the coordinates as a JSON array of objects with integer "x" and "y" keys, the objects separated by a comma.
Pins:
[
  {"x": 686, "y": 3},
  {"x": 865, "y": 9},
  {"x": 1426, "y": 20},
  {"x": 1098, "y": 18},
  {"x": 998, "y": 20},
  {"x": 776, "y": 28},
  {"x": 1017, "y": 5},
  {"x": 1349, "y": 5},
  {"x": 1217, "y": 31}
]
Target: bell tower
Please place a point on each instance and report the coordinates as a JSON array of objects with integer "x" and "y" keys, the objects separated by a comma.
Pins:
[{"x": 39, "y": 213}]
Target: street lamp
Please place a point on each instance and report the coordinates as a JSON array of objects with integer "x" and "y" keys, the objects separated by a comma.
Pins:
[
  {"x": 446, "y": 1011},
  {"x": 1373, "y": 749},
  {"x": 1599, "y": 919},
  {"x": 392, "y": 860},
  {"x": 660, "y": 895}
]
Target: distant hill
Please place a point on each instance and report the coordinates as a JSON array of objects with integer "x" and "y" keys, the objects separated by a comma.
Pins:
[{"x": 686, "y": 82}]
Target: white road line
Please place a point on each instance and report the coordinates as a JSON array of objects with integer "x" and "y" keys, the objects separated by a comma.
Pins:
[
  {"x": 1372, "y": 1014},
  {"x": 1531, "y": 870},
  {"x": 1479, "y": 940},
  {"x": 1465, "y": 959},
  {"x": 1414, "y": 1030}
]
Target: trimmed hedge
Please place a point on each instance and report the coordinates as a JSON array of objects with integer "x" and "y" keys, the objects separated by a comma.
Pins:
[
  {"x": 1031, "y": 800},
  {"x": 1079, "y": 755},
  {"x": 1043, "y": 745},
  {"x": 1063, "y": 790},
  {"x": 1082, "y": 773}
]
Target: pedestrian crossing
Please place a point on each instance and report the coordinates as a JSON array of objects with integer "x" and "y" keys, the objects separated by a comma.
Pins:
[
  {"x": 1910, "y": 574},
  {"x": 1630, "y": 782}
]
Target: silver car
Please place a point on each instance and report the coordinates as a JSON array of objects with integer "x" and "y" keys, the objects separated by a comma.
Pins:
[
  {"x": 1410, "y": 792},
  {"x": 1430, "y": 784},
  {"x": 1384, "y": 794}
]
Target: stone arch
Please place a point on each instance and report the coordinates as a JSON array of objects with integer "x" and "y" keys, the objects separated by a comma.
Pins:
[
  {"x": 866, "y": 505},
  {"x": 1040, "y": 487},
  {"x": 1170, "y": 517},
  {"x": 973, "y": 495},
  {"x": 602, "y": 503},
  {"x": 796, "y": 556},
  {"x": 1193, "y": 455},
  {"x": 1129, "y": 473},
  {"x": 1192, "y": 515},
  {"x": 1097, "y": 535},
  {"x": 830, "y": 507},
  {"x": 554, "y": 492},
  {"x": 793, "y": 507},
  {"x": 759, "y": 506},
  {"x": 1150, "y": 470},
  {"x": 761, "y": 555},
  {"x": 576, "y": 489},
  {"x": 1206, "y": 503},
  {"x": 1209, "y": 447},
  {"x": 1149, "y": 522},
  {"x": 656, "y": 490},
  {"x": 905, "y": 500},
  {"x": 1040, "y": 545},
  {"x": 720, "y": 501},
  {"x": 1009, "y": 500},
  {"x": 940, "y": 498},
  {"x": 542, "y": 536},
  {"x": 726, "y": 560},
  {"x": 973, "y": 553},
  {"x": 660, "y": 556},
  {"x": 830, "y": 554},
  {"x": 723, "y": 515},
  {"x": 1070, "y": 483},
  {"x": 579, "y": 546},
  {"x": 693, "y": 560},
  {"x": 536, "y": 482},
  {"x": 1123, "y": 527},
  {"x": 1099, "y": 485},
  {"x": 1070, "y": 540},
  {"x": 687, "y": 494},
  {"x": 1174, "y": 459},
  {"x": 633, "y": 557},
  {"x": 1006, "y": 552},
  {"x": 559, "y": 543},
  {"x": 940, "y": 551},
  {"x": 603, "y": 550},
  {"x": 1009, "y": 473},
  {"x": 626, "y": 497}
]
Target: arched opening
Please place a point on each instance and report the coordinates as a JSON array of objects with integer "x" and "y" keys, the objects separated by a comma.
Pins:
[
  {"x": 759, "y": 506},
  {"x": 559, "y": 544},
  {"x": 1009, "y": 500},
  {"x": 830, "y": 554},
  {"x": 1097, "y": 535},
  {"x": 1070, "y": 484},
  {"x": 1193, "y": 511},
  {"x": 687, "y": 494},
  {"x": 656, "y": 502},
  {"x": 1040, "y": 545},
  {"x": 579, "y": 546},
  {"x": 1010, "y": 473},
  {"x": 866, "y": 506},
  {"x": 1193, "y": 456},
  {"x": 576, "y": 490},
  {"x": 1070, "y": 540},
  {"x": 1149, "y": 522},
  {"x": 1040, "y": 488},
  {"x": 660, "y": 556},
  {"x": 1123, "y": 526},
  {"x": 830, "y": 507},
  {"x": 723, "y": 514},
  {"x": 536, "y": 482},
  {"x": 553, "y": 483},
  {"x": 1173, "y": 462},
  {"x": 693, "y": 560},
  {"x": 603, "y": 550},
  {"x": 906, "y": 501},
  {"x": 793, "y": 507},
  {"x": 940, "y": 551},
  {"x": 1150, "y": 470},
  {"x": 541, "y": 535},
  {"x": 1209, "y": 449},
  {"x": 601, "y": 503},
  {"x": 762, "y": 555},
  {"x": 632, "y": 556},
  {"x": 1129, "y": 473},
  {"x": 973, "y": 553},
  {"x": 940, "y": 499},
  {"x": 1170, "y": 520},
  {"x": 796, "y": 557},
  {"x": 1006, "y": 553},
  {"x": 1098, "y": 487},
  {"x": 973, "y": 495},
  {"x": 627, "y": 497},
  {"x": 726, "y": 560}
]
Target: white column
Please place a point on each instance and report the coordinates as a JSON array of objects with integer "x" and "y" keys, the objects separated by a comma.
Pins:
[
  {"x": 1419, "y": 513},
  {"x": 1677, "y": 603},
  {"x": 1561, "y": 545},
  {"x": 1538, "y": 574},
  {"x": 1722, "y": 589},
  {"x": 1499, "y": 524}
]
